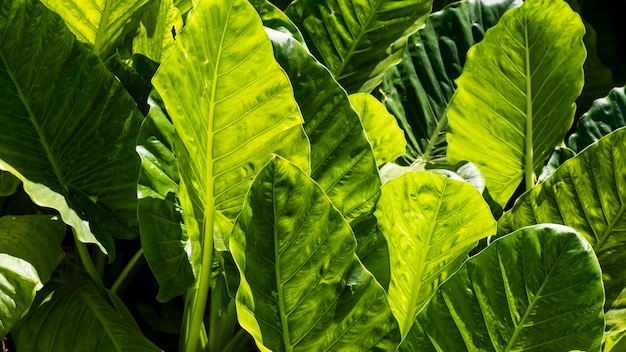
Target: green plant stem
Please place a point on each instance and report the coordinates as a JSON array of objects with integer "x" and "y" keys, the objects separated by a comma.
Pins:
[
  {"x": 528, "y": 157},
  {"x": 221, "y": 325},
  {"x": 238, "y": 342},
  {"x": 100, "y": 262},
  {"x": 85, "y": 259},
  {"x": 193, "y": 324},
  {"x": 126, "y": 271}
]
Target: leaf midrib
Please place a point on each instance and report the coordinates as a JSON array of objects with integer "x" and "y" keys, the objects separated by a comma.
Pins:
[
  {"x": 104, "y": 19},
  {"x": 528, "y": 147},
  {"x": 31, "y": 115}
]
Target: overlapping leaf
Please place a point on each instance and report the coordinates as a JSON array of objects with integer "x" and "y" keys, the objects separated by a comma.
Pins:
[
  {"x": 605, "y": 116},
  {"x": 30, "y": 250},
  {"x": 539, "y": 288},
  {"x": 418, "y": 90},
  {"x": 515, "y": 97},
  {"x": 342, "y": 160},
  {"x": 68, "y": 126},
  {"x": 166, "y": 246},
  {"x": 302, "y": 286},
  {"x": 431, "y": 223},
  {"x": 587, "y": 193},
  {"x": 157, "y": 30},
  {"x": 358, "y": 40},
  {"x": 98, "y": 23},
  {"x": 382, "y": 130},
  {"x": 69, "y": 314}
]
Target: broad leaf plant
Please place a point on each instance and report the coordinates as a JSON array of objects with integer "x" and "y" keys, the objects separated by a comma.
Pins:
[{"x": 320, "y": 175}]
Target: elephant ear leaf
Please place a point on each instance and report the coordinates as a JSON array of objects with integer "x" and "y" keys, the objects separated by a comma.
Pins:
[
  {"x": 98, "y": 23},
  {"x": 68, "y": 126},
  {"x": 539, "y": 288},
  {"x": 358, "y": 40},
  {"x": 516, "y": 94},
  {"x": 302, "y": 285},
  {"x": 70, "y": 314},
  {"x": 587, "y": 193},
  {"x": 30, "y": 250}
]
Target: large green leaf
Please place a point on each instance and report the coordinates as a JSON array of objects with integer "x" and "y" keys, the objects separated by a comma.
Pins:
[
  {"x": 157, "y": 30},
  {"x": 302, "y": 285},
  {"x": 232, "y": 107},
  {"x": 382, "y": 130},
  {"x": 418, "y": 90},
  {"x": 431, "y": 223},
  {"x": 537, "y": 289},
  {"x": 605, "y": 116},
  {"x": 98, "y": 23},
  {"x": 342, "y": 160},
  {"x": 588, "y": 193},
  {"x": 69, "y": 314},
  {"x": 30, "y": 250},
  {"x": 515, "y": 97},
  {"x": 68, "y": 126},
  {"x": 164, "y": 242},
  {"x": 358, "y": 40}
]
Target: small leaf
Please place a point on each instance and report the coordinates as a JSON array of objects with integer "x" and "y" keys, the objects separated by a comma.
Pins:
[
  {"x": 30, "y": 250},
  {"x": 431, "y": 223},
  {"x": 539, "y": 288},
  {"x": 8, "y": 184},
  {"x": 302, "y": 285},
  {"x": 382, "y": 130}
]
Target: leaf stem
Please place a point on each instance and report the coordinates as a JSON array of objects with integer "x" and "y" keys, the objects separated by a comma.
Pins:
[
  {"x": 85, "y": 259},
  {"x": 221, "y": 325},
  {"x": 121, "y": 279},
  {"x": 238, "y": 342}
]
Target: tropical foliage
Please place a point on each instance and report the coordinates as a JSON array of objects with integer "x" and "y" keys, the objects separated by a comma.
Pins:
[{"x": 350, "y": 175}]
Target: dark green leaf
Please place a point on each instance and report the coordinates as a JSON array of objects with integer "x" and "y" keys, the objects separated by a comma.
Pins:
[
  {"x": 537, "y": 289},
  {"x": 302, "y": 285}
]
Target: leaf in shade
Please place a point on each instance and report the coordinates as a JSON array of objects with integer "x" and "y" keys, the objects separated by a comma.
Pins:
[
  {"x": 69, "y": 314},
  {"x": 98, "y": 23},
  {"x": 515, "y": 97},
  {"x": 431, "y": 223},
  {"x": 30, "y": 250},
  {"x": 418, "y": 90},
  {"x": 68, "y": 126},
  {"x": 539, "y": 288},
  {"x": 587, "y": 193},
  {"x": 302, "y": 285},
  {"x": 358, "y": 40},
  {"x": 8, "y": 184},
  {"x": 382, "y": 130},
  {"x": 605, "y": 116}
]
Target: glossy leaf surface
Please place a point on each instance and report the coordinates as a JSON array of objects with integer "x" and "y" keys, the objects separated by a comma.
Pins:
[
  {"x": 97, "y": 23},
  {"x": 587, "y": 193},
  {"x": 30, "y": 250},
  {"x": 431, "y": 223},
  {"x": 157, "y": 31},
  {"x": 382, "y": 130},
  {"x": 605, "y": 116},
  {"x": 69, "y": 314},
  {"x": 537, "y": 289},
  {"x": 302, "y": 285},
  {"x": 68, "y": 126},
  {"x": 515, "y": 97},
  {"x": 358, "y": 40},
  {"x": 418, "y": 90}
]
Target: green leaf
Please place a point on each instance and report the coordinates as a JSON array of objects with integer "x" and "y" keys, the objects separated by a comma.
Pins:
[
  {"x": 30, "y": 250},
  {"x": 342, "y": 160},
  {"x": 98, "y": 23},
  {"x": 587, "y": 193},
  {"x": 69, "y": 127},
  {"x": 605, "y": 116},
  {"x": 69, "y": 314},
  {"x": 418, "y": 90},
  {"x": 358, "y": 40},
  {"x": 515, "y": 97},
  {"x": 164, "y": 242},
  {"x": 539, "y": 288},
  {"x": 157, "y": 31},
  {"x": 382, "y": 130},
  {"x": 431, "y": 223},
  {"x": 302, "y": 286},
  {"x": 274, "y": 18},
  {"x": 8, "y": 184}
]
